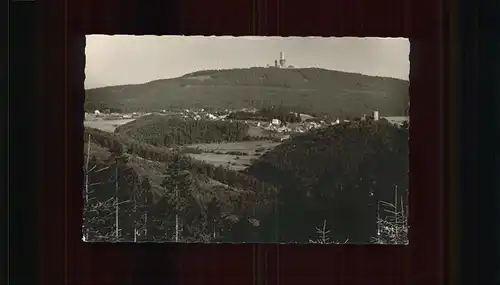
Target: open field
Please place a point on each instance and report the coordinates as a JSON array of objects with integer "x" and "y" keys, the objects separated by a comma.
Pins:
[
  {"x": 233, "y": 162},
  {"x": 219, "y": 154},
  {"x": 106, "y": 125},
  {"x": 250, "y": 146}
]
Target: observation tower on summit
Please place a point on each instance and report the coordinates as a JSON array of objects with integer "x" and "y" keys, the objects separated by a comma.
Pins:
[{"x": 282, "y": 60}]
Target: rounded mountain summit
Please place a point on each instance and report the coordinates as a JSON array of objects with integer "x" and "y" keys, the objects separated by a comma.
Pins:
[{"x": 306, "y": 90}]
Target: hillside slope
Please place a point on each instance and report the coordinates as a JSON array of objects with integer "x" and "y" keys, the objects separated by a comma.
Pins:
[
  {"x": 337, "y": 174},
  {"x": 308, "y": 90},
  {"x": 166, "y": 131},
  {"x": 238, "y": 199}
]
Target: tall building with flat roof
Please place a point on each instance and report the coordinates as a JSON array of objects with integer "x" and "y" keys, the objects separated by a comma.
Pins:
[{"x": 282, "y": 60}]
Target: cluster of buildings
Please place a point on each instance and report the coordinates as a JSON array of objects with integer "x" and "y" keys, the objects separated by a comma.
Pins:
[
  {"x": 282, "y": 127},
  {"x": 281, "y": 62},
  {"x": 396, "y": 120},
  {"x": 98, "y": 115},
  {"x": 198, "y": 114},
  {"x": 284, "y": 130},
  {"x": 275, "y": 125}
]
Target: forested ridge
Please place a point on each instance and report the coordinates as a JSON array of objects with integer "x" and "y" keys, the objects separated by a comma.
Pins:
[
  {"x": 127, "y": 145},
  {"x": 212, "y": 203},
  {"x": 336, "y": 174},
  {"x": 160, "y": 130}
]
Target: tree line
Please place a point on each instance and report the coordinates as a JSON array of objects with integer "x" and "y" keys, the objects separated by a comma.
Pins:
[
  {"x": 342, "y": 174},
  {"x": 169, "y": 131},
  {"x": 122, "y": 205},
  {"x": 129, "y": 145}
]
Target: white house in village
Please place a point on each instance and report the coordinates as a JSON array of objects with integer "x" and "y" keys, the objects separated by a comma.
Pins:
[
  {"x": 285, "y": 137},
  {"x": 397, "y": 120},
  {"x": 276, "y": 122},
  {"x": 281, "y": 129}
]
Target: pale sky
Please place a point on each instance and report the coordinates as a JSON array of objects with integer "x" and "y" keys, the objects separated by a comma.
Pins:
[{"x": 124, "y": 59}]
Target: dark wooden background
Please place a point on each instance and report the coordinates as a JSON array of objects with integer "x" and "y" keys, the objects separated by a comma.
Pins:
[{"x": 65, "y": 259}]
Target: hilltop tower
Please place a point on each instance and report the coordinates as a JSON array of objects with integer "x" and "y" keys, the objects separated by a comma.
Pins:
[
  {"x": 282, "y": 60},
  {"x": 375, "y": 115}
]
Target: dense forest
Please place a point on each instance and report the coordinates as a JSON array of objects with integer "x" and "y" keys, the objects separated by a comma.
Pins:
[
  {"x": 339, "y": 176},
  {"x": 128, "y": 145},
  {"x": 160, "y": 130},
  {"x": 307, "y": 90},
  {"x": 206, "y": 203},
  {"x": 267, "y": 114}
]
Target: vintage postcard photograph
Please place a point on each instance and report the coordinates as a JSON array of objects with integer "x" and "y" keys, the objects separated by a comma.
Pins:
[{"x": 194, "y": 139}]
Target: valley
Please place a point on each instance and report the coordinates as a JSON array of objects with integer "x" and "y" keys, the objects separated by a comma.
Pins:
[
  {"x": 236, "y": 156},
  {"x": 249, "y": 170}
]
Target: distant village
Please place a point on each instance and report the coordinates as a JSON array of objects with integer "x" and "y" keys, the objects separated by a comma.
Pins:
[
  {"x": 276, "y": 126},
  {"x": 108, "y": 121}
]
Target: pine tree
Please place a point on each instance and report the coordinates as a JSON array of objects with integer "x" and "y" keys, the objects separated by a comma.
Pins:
[
  {"x": 118, "y": 159},
  {"x": 142, "y": 212},
  {"x": 213, "y": 216},
  {"x": 179, "y": 184},
  {"x": 98, "y": 206}
]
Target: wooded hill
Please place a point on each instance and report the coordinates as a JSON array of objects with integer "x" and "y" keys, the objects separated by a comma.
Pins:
[
  {"x": 305, "y": 90},
  {"x": 160, "y": 130},
  {"x": 212, "y": 203},
  {"x": 337, "y": 174}
]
